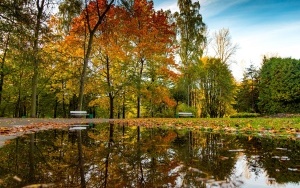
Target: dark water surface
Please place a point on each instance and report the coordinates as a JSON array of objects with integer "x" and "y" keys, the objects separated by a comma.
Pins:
[{"x": 120, "y": 156}]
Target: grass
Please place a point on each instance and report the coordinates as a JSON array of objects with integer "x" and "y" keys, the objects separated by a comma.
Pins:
[
  {"x": 285, "y": 127},
  {"x": 245, "y": 115}
]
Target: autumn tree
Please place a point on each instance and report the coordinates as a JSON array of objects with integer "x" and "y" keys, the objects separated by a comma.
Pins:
[
  {"x": 87, "y": 25},
  {"x": 110, "y": 62},
  {"x": 151, "y": 37}
]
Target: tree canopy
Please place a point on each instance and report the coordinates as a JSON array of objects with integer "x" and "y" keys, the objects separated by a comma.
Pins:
[{"x": 124, "y": 58}]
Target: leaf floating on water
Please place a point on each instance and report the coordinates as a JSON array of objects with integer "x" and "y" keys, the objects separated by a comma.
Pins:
[
  {"x": 194, "y": 170},
  {"x": 17, "y": 178},
  {"x": 284, "y": 149},
  {"x": 285, "y": 158},
  {"x": 275, "y": 157},
  {"x": 293, "y": 169},
  {"x": 200, "y": 179},
  {"x": 223, "y": 158}
]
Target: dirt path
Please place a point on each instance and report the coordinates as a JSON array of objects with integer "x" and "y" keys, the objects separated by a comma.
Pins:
[
  {"x": 12, "y": 122},
  {"x": 13, "y": 127}
]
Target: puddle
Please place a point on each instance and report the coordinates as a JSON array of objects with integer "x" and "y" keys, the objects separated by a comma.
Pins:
[{"x": 120, "y": 156}]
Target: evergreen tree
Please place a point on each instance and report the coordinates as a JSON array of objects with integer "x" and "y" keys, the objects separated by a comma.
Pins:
[
  {"x": 279, "y": 86},
  {"x": 247, "y": 95}
]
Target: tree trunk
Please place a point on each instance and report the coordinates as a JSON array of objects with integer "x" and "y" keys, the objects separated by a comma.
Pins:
[
  {"x": 139, "y": 89},
  {"x": 89, "y": 47},
  {"x": 111, "y": 106},
  {"x": 2, "y": 73},
  {"x": 80, "y": 160},
  {"x": 83, "y": 73},
  {"x": 123, "y": 107},
  {"x": 55, "y": 109},
  {"x": 31, "y": 161},
  {"x": 138, "y": 115},
  {"x": 40, "y": 7},
  {"x": 110, "y": 93}
]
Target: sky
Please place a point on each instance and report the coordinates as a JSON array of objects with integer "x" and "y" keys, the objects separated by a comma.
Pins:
[{"x": 258, "y": 27}]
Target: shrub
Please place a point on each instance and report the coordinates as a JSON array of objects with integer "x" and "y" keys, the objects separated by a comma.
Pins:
[{"x": 245, "y": 115}]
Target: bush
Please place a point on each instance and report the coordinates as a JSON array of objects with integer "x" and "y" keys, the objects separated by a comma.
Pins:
[
  {"x": 245, "y": 115},
  {"x": 185, "y": 108}
]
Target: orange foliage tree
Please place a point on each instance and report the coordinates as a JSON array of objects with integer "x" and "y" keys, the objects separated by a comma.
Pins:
[
  {"x": 87, "y": 26},
  {"x": 128, "y": 54},
  {"x": 133, "y": 57},
  {"x": 151, "y": 38},
  {"x": 110, "y": 59}
]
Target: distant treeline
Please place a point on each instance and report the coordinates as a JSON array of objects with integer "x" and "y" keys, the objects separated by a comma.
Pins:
[{"x": 275, "y": 88}]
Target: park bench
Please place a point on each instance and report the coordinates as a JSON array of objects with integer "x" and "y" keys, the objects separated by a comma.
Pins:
[
  {"x": 185, "y": 114},
  {"x": 76, "y": 113}
]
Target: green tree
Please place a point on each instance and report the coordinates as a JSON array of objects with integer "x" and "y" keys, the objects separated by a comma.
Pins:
[
  {"x": 68, "y": 10},
  {"x": 40, "y": 17},
  {"x": 279, "y": 86},
  {"x": 14, "y": 34},
  {"x": 217, "y": 84},
  {"x": 247, "y": 94},
  {"x": 191, "y": 39}
]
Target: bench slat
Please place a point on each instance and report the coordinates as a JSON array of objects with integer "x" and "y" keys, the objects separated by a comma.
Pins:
[
  {"x": 185, "y": 114},
  {"x": 78, "y": 113}
]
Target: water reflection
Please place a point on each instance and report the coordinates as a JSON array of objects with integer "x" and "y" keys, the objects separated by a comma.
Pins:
[{"x": 111, "y": 155}]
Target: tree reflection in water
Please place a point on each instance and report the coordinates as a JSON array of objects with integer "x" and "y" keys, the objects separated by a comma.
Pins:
[{"x": 109, "y": 155}]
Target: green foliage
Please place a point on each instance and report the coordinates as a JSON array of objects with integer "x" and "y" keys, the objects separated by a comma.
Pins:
[
  {"x": 185, "y": 108},
  {"x": 191, "y": 30},
  {"x": 217, "y": 85},
  {"x": 279, "y": 86},
  {"x": 245, "y": 115},
  {"x": 191, "y": 40},
  {"x": 179, "y": 93},
  {"x": 69, "y": 9},
  {"x": 247, "y": 94}
]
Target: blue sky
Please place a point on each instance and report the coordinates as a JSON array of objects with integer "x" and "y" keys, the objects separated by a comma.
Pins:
[{"x": 259, "y": 27}]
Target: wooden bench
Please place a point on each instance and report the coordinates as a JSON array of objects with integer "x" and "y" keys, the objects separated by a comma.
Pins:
[
  {"x": 185, "y": 114},
  {"x": 78, "y": 113}
]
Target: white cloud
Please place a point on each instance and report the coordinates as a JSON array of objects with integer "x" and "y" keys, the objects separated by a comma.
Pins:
[
  {"x": 275, "y": 39},
  {"x": 166, "y": 5},
  {"x": 256, "y": 34},
  {"x": 210, "y": 8}
]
